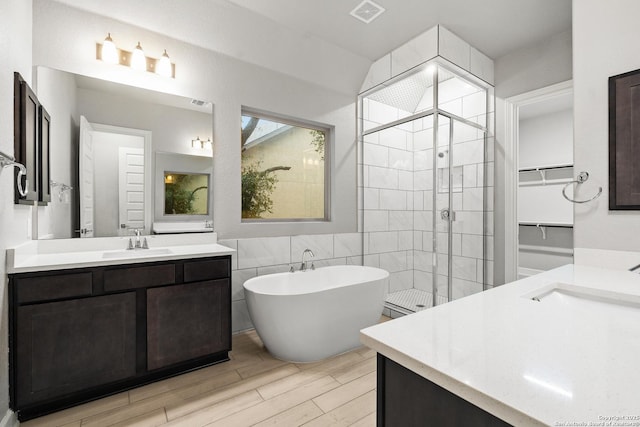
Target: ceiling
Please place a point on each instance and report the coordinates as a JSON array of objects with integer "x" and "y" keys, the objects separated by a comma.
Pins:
[
  {"x": 495, "y": 27},
  {"x": 318, "y": 41}
]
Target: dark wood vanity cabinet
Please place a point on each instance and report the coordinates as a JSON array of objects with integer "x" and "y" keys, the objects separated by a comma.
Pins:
[
  {"x": 80, "y": 334},
  {"x": 406, "y": 399}
]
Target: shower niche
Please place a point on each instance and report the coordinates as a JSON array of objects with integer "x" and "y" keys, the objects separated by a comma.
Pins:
[{"x": 426, "y": 184}]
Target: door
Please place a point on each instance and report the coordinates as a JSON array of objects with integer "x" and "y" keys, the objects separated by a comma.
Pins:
[
  {"x": 443, "y": 214},
  {"x": 72, "y": 345},
  {"x": 188, "y": 321},
  {"x": 461, "y": 214},
  {"x": 131, "y": 188},
  {"x": 86, "y": 167}
]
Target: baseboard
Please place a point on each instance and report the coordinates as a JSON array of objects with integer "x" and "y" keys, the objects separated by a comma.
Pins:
[{"x": 9, "y": 419}]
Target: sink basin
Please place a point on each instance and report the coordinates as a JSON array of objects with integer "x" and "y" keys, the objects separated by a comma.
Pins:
[
  {"x": 570, "y": 297},
  {"x": 136, "y": 253}
]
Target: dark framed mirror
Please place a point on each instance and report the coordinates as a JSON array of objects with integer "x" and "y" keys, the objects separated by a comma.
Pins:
[
  {"x": 624, "y": 141},
  {"x": 26, "y": 126}
]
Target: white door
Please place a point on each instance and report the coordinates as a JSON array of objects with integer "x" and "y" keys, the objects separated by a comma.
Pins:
[
  {"x": 86, "y": 178},
  {"x": 131, "y": 188}
]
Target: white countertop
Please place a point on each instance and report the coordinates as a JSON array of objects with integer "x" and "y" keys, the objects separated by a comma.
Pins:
[
  {"x": 44, "y": 255},
  {"x": 530, "y": 362}
]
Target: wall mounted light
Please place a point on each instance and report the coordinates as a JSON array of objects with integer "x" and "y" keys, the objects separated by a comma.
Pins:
[
  {"x": 201, "y": 143},
  {"x": 164, "y": 65},
  {"x": 108, "y": 52},
  {"x": 138, "y": 60}
]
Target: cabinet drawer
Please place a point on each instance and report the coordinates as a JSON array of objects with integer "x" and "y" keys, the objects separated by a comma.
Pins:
[
  {"x": 139, "y": 277},
  {"x": 55, "y": 286},
  {"x": 210, "y": 269}
]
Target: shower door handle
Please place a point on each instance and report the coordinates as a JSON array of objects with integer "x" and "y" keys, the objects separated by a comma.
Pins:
[{"x": 447, "y": 215}]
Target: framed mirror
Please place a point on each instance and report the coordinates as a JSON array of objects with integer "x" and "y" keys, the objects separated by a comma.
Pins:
[
  {"x": 624, "y": 120},
  {"x": 182, "y": 188},
  {"x": 118, "y": 170}
]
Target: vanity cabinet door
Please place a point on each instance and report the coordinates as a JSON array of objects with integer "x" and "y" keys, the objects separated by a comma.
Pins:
[
  {"x": 67, "y": 346},
  {"x": 185, "y": 322}
]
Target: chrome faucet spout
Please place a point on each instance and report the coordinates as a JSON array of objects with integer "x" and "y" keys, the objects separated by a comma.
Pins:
[{"x": 303, "y": 266}]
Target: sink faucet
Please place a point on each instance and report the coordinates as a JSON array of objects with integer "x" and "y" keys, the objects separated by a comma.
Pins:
[
  {"x": 137, "y": 231},
  {"x": 138, "y": 244},
  {"x": 303, "y": 266}
]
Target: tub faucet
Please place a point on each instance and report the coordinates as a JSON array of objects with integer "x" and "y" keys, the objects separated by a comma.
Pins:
[{"x": 303, "y": 266}]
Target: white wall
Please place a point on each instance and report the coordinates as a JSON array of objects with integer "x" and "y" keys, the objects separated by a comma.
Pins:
[
  {"x": 172, "y": 128},
  {"x": 605, "y": 40},
  {"x": 534, "y": 67},
  {"x": 229, "y": 84},
  {"x": 57, "y": 93},
  {"x": 546, "y": 140},
  {"x": 15, "y": 55}
]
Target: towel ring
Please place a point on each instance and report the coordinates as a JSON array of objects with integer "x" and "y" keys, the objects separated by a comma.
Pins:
[
  {"x": 582, "y": 178},
  {"x": 5, "y": 161}
]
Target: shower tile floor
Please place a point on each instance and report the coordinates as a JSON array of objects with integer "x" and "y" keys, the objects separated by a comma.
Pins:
[{"x": 411, "y": 300}]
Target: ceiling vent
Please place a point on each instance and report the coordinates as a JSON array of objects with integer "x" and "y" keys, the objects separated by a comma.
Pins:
[
  {"x": 367, "y": 11},
  {"x": 199, "y": 103}
]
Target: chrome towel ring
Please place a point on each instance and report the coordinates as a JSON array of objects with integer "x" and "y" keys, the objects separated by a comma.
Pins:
[
  {"x": 6, "y": 160},
  {"x": 582, "y": 178}
]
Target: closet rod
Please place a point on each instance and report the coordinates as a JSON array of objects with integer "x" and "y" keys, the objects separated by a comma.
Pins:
[
  {"x": 542, "y": 224},
  {"x": 544, "y": 168}
]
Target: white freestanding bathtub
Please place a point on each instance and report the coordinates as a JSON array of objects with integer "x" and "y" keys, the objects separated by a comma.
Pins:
[{"x": 308, "y": 316}]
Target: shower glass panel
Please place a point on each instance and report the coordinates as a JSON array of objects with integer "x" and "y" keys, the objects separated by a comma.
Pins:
[{"x": 423, "y": 186}]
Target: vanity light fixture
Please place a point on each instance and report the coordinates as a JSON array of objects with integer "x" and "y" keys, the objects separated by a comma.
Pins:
[
  {"x": 201, "y": 143},
  {"x": 108, "y": 52}
]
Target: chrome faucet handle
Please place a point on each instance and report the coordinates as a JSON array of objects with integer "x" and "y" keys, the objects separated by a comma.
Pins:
[
  {"x": 130, "y": 245},
  {"x": 145, "y": 244},
  {"x": 313, "y": 267}
]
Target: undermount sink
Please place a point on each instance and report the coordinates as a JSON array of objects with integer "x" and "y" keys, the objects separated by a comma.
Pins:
[
  {"x": 136, "y": 253},
  {"x": 563, "y": 296}
]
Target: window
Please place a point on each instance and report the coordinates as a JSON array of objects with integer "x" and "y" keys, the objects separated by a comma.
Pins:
[{"x": 284, "y": 168}]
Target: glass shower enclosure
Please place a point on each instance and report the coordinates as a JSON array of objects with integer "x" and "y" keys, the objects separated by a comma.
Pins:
[{"x": 425, "y": 183}]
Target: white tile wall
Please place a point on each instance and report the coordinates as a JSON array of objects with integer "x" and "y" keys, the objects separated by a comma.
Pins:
[
  {"x": 263, "y": 252},
  {"x": 321, "y": 245},
  {"x": 454, "y": 48},
  {"x": 347, "y": 245},
  {"x": 416, "y": 51}
]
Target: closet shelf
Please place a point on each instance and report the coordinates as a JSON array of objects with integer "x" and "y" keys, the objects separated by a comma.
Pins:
[{"x": 546, "y": 249}]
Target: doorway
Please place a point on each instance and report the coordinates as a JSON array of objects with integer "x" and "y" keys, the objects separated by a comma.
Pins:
[{"x": 540, "y": 221}]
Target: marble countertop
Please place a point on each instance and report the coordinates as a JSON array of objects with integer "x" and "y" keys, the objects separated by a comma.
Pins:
[
  {"x": 557, "y": 361},
  {"x": 44, "y": 255}
]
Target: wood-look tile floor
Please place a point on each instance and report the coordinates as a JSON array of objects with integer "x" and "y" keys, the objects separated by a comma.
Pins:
[{"x": 252, "y": 389}]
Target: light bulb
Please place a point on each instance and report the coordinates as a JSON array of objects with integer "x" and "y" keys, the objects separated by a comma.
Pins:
[
  {"x": 109, "y": 51},
  {"x": 138, "y": 60},
  {"x": 164, "y": 65}
]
